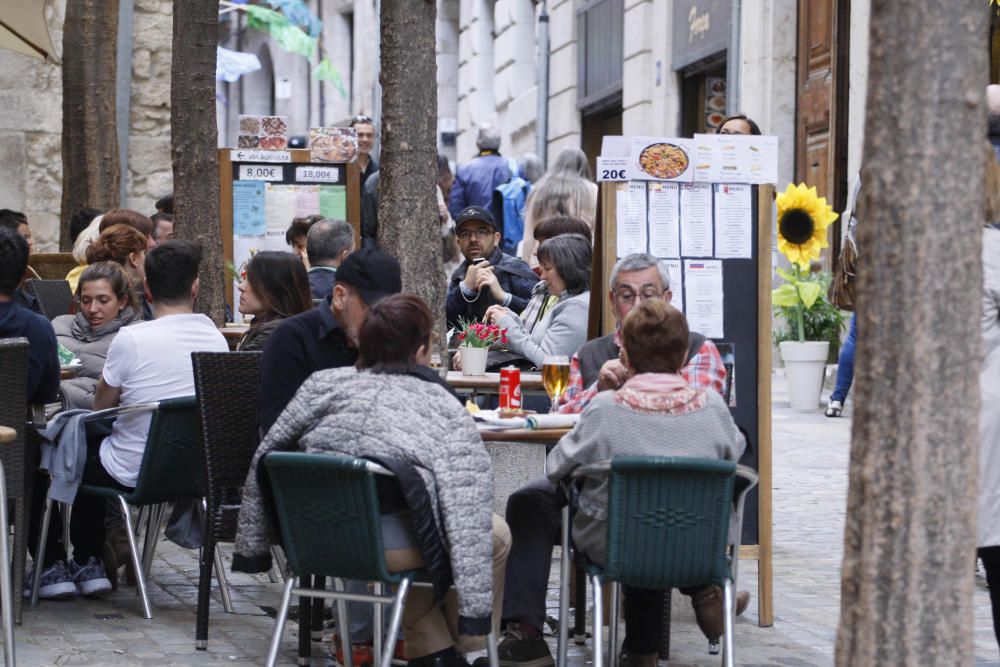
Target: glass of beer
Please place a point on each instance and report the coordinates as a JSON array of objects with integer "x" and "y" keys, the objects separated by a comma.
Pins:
[{"x": 555, "y": 376}]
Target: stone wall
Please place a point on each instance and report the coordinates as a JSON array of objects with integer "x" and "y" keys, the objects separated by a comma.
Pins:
[{"x": 150, "y": 173}]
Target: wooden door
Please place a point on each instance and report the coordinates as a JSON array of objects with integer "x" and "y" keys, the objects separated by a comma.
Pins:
[{"x": 821, "y": 118}]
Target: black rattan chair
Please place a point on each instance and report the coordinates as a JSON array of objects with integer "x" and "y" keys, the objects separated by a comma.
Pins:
[
  {"x": 16, "y": 456},
  {"x": 54, "y": 296},
  {"x": 227, "y": 387}
]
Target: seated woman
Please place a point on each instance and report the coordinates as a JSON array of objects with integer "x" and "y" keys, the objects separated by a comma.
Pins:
[
  {"x": 127, "y": 246},
  {"x": 380, "y": 409},
  {"x": 655, "y": 413},
  {"x": 565, "y": 262},
  {"x": 541, "y": 298},
  {"x": 276, "y": 286},
  {"x": 106, "y": 304}
]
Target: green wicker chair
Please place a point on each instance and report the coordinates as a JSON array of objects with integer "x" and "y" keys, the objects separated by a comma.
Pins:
[
  {"x": 171, "y": 469},
  {"x": 668, "y": 527},
  {"x": 327, "y": 510}
]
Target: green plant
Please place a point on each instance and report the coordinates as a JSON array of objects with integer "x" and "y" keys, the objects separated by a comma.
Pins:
[{"x": 821, "y": 321}]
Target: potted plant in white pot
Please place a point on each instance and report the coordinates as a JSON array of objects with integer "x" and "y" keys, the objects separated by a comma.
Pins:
[
  {"x": 475, "y": 339},
  {"x": 802, "y": 221}
]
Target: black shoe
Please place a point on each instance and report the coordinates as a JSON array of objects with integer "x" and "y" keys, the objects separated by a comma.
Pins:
[
  {"x": 517, "y": 650},
  {"x": 447, "y": 658}
]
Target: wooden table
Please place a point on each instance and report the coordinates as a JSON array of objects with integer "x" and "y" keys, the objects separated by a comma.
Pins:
[
  {"x": 543, "y": 436},
  {"x": 490, "y": 382},
  {"x": 7, "y": 434},
  {"x": 233, "y": 334}
]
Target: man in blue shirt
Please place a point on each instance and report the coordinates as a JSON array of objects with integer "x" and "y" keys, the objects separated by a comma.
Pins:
[
  {"x": 17, "y": 321},
  {"x": 477, "y": 179}
]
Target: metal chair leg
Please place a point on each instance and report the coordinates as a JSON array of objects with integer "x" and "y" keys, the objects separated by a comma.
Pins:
[
  {"x": 394, "y": 621},
  {"x": 344, "y": 624},
  {"x": 729, "y": 623},
  {"x": 43, "y": 537},
  {"x": 562, "y": 648},
  {"x": 613, "y": 624},
  {"x": 279, "y": 622},
  {"x": 595, "y": 581},
  {"x": 378, "y": 625},
  {"x": 6, "y": 594},
  {"x": 220, "y": 574},
  {"x": 279, "y": 562},
  {"x": 491, "y": 650},
  {"x": 140, "y": 576},
  {"x": 156, "y": 516}
]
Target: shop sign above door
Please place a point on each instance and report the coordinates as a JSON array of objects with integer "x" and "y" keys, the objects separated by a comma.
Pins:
[{"x": 701, "y": 29}]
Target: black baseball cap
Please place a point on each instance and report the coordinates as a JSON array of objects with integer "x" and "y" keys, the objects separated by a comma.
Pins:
[
  {"x": 470, "y": 213},
  {"x": 374, "y": 273}
]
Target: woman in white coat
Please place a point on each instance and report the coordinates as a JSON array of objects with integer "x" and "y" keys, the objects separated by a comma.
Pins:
[{"x": 989, "y": 417}]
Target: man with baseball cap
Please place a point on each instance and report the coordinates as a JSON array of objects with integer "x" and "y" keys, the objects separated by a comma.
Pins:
[
  {"x": 487, "y": 276},
  {"x": 327, "y": 335}
]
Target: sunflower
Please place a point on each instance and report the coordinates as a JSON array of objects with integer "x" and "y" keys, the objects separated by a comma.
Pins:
[{"x": 802, "y": 221}]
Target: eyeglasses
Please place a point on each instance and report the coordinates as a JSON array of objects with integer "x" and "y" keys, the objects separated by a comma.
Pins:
[
  {"x": 628, "y": 297},
  {"x": 481, "y": 234},
  {"x": 360, "y": 118}
]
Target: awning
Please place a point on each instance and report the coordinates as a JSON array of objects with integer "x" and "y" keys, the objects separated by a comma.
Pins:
[{"x": 23, "y": 28}]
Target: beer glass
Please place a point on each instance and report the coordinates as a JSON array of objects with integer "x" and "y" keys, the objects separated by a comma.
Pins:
[{"x": 555, "y": 376}]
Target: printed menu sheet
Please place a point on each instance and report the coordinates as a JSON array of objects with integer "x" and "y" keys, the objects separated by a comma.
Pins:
[
  {"x": 729, "y": 158},
  {"x": 279, "y": 205},
  {"x": 733, "y": 221},
  {"x": 664, "y": 220},
  {"x": 248, "y": 207},
  {"x": 703, "y": 296},
  {"x": 676, "y": 284},
  {"x": 631, "y": 210},
  {"x": 306, "y": 200},
  {"x": 696, "y": 219}
]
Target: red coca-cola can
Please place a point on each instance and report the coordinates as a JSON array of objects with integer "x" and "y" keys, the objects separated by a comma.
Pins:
[{"x": 510, "y": 388}]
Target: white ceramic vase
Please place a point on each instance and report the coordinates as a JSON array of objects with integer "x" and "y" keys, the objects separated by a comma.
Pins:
[
  {"x": 805, "y": 367},
  {"x": 473, "y": 360}
]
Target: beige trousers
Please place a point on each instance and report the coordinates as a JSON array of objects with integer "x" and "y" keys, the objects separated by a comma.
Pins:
[{"x": 431, "y": 626}]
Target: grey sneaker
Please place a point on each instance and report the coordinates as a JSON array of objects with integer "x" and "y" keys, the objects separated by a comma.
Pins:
[
  {"x": 90, "y": 578},
  {"x": 57, "y": 583}
]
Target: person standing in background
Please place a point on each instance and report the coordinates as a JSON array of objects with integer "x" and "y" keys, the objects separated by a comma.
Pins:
[
  {"x": 566, "y": 189},
  {"x": 478, "y": 178}
]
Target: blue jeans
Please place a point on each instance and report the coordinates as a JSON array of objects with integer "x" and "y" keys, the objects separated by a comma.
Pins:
[{"x": 845, "y": 364}]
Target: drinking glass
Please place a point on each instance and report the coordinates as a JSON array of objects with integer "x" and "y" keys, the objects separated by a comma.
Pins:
[{"x": 555, "y": 376}]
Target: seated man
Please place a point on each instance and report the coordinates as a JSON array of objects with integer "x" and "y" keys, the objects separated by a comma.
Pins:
[
  {"x": 328, "y": 244},
  {"x": 17, "y": 321},
  {"x": 595, "y": 367},
  {"x": 655, "y": 413},
  {"x": 133, "y": 375},
  {"x": 17, "y": 222},
  {"x": 476, "y": 285}
]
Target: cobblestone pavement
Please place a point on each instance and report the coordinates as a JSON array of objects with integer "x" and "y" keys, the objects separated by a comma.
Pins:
[{"x": 810, "y": 487}]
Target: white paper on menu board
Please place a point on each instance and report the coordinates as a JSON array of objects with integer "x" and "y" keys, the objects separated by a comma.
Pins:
[
  {"x": 696, "y": 219},
  {"x": 664, "y": 220},
  {"x": 734, "y": 158},
  {"x": 733, "y": 220},
  {"x": 660, "y": 159},
  {"x": 676, "y": 285},
  {"x": 279, "y": 209},
  {"x": 631, "y": 210},
  {"x": 244, "y": 247},
  {"x": 703, "y": 296}
]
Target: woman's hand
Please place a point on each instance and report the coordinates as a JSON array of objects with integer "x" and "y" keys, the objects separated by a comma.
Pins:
[{"x": 496, "y": 313}]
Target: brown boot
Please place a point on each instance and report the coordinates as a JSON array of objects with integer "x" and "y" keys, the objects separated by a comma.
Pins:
[
  {"x": 742, "y": 602},
  {"x": 707, "y": 604}
]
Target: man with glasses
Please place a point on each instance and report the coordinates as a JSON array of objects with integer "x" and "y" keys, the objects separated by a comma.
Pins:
[
  {"x": 487, "y": 276},
  {"x": 595, "y": 367}
]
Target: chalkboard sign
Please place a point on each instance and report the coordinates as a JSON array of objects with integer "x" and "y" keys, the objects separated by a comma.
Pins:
[
  {"x": 721, "y": 279},
  {"x": 261, "y": 191}
]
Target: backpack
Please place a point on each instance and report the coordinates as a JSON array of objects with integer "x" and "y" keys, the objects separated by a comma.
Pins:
[{"x": 508, "y": 208}]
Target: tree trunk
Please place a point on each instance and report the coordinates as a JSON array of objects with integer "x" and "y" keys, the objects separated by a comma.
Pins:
[
  {"x": 910, "y": 536},
  {"x": 194, "y": 144},
  {"x": 409, "y": 227},
  {"x": 91, "y": 171}
]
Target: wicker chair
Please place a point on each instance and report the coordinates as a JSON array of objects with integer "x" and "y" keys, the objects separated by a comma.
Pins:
[
  {"x": 227, "y": 386},
  {"x": 54, "y": 296},
  {"x": 17, "y": 456},
  {"x": 668, "y": 526}
]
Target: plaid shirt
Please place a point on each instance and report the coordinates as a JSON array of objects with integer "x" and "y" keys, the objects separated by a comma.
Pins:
[{"x": 704, "y": 370}]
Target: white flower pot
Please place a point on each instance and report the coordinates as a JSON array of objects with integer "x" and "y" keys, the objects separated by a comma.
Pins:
[
  {"x": 474, "y": 360},
  {"x": 805, "y": 366}
]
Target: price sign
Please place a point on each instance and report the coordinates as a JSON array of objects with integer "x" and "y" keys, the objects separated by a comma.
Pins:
[
  {"x": 261, "y": 172},
  {"x": 316, "y": 174},
  {"x": 611, "y": 168}
]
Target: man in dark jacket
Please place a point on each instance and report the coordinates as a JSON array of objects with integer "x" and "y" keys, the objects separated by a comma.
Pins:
[
  {"x": 477, "y": 179},
  {"x": 476, "y": 284}
]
